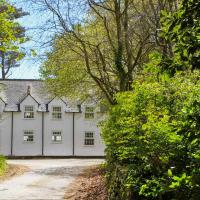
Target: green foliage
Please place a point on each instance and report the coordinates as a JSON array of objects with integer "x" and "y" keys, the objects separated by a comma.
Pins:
[
  {"x": 12, "y": 35},
  {"x": 153, "y": 139},
  {"x": 104, "y": 52},
  {"x": 183, "y": 29},
  {"x": 3, "y": 165},
  {"x": 64, "y": 71}
]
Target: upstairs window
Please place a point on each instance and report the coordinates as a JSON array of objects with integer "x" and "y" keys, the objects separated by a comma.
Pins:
[
  {"x": 56, "y": 136},
  {"x": 89, "y": 112},
  {"x": 89, "y": 139},
  {"x": 29, "y": 112},
  {"x": 57, "y": 114},
  {"x": 28, "y": 136}
]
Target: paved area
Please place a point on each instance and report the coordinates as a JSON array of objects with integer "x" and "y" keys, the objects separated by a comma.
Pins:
[{"x": 47, "y": 178}]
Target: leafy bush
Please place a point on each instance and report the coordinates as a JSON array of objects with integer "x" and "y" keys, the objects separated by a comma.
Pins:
[
  {"x": 2, "y": 165},
  {"x": 153, "y": 139},
  {"x": 183, "y": 30},
  {"x": 153, "y": 135}
]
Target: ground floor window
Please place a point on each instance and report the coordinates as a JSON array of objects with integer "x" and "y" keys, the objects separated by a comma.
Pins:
[
  {"x": 89, "y": 138},
  {"x": 28, "y": 136},
  {"x": 56, "y": 136}
]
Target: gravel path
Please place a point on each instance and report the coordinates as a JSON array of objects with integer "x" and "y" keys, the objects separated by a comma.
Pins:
[{"x": 47, "y": 178}]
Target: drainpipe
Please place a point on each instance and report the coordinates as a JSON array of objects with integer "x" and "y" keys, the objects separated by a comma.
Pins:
[
  {"x": 42, "y": 133},
  {"x": 12, "y": 124},
  {"x": 73, "y": 134}
]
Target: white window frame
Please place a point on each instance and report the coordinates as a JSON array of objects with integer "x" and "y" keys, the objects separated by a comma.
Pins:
[
  {"x": 55, "y": 134},
  {"x": 58, "y": 113},
  {"x": 28, "y": 133},
  {"x": 89, "y": 140},
  {"x": 30, "y": 112},
  {"x": 89, "y": 114}
]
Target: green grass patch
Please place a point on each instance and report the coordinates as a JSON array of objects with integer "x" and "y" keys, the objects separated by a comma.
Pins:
[{"x": 3, "y": 165}]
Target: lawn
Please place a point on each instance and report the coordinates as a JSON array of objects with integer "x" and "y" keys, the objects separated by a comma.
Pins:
[{"x": 3, "y": 165}]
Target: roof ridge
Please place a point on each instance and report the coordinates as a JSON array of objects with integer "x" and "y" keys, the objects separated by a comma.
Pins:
[{"x": 21, "y": 79}]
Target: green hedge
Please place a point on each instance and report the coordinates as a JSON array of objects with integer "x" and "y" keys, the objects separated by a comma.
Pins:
[
  {"x": 153, "y": 140},
  {"x": 3, "y": 165}
]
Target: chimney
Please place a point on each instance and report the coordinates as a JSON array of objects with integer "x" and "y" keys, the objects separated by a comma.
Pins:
[{"x": 28, "y": 90}]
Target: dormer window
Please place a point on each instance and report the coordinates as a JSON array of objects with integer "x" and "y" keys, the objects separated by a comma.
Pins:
[
  {"x": 29, "y": 112},
  {"x": 89, "y": 112},
  {"x": 57, "y": 112}
]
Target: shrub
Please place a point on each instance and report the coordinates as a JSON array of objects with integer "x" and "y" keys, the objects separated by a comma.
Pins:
[{"x": 153, "y": 139}]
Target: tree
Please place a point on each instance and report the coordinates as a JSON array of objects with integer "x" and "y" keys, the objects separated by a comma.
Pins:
[
  {"x": 12, "y": 35},
  {"x": 152, "y": 135},
  {"x": 111, "y": 41}
]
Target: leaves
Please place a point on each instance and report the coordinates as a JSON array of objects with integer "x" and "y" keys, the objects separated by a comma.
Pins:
[{"x": 12, "y": 35}]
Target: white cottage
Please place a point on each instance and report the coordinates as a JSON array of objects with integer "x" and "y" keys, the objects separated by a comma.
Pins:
[{"x": 32, "y": 123}]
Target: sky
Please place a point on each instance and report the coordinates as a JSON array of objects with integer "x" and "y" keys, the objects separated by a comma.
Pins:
[
  {"x": 37, "y": 23},
  {"x": 29, "y": 66}
]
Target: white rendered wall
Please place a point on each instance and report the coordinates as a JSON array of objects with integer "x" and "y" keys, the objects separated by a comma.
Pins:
[
  {"x": 5, "y": 131},
  {"x": 83, "y": 125},
  {"x": 21, "y": 148},
  {"x": 65, "y": 125}
]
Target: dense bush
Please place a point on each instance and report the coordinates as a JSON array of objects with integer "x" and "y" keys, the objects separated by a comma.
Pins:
[
  {"x": 153, "y": 139},
  {"x": 2, "y": 165},
  {"x": 153, "y": 135}
]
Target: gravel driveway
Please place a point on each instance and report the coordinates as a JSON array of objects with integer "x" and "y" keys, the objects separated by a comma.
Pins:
[{"x": 47, "y": 178}]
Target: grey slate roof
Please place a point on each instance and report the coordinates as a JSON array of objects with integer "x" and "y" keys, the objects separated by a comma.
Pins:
[{"x": 13, "y": 91}]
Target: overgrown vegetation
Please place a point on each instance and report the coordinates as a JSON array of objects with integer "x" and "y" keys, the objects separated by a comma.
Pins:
[
  {"x": 153, "y": 133},
  {"x": 3, "y": 165}
]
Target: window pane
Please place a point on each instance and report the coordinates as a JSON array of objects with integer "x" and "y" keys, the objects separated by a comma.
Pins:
[
  {"x": 28, "y": 108},
  {"x": 28, "y": 136},
  {"x": 89, "y": 138},
  {"x": 29, "y": 115},
  {"x": 57, "y": 114},
  {"x": 56, "y": 136},
  {"x": 89, "y": 134},
  {"x": 89, "y": 141},
  {"x": 89, "y": 112},
  {"x": 89, "y": 109},
  {"x": 29, "y": 112},
  {"x": 89, "y": 115},
  {"x": 57, "y": 109}
]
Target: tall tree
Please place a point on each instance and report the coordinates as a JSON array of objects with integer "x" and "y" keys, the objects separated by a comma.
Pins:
[
  {"x": 12, "y": 35},
  {"x": 111, "y": 41}
]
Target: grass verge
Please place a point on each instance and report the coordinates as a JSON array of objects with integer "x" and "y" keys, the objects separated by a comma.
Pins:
[{"x": 3, "y": 165}]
